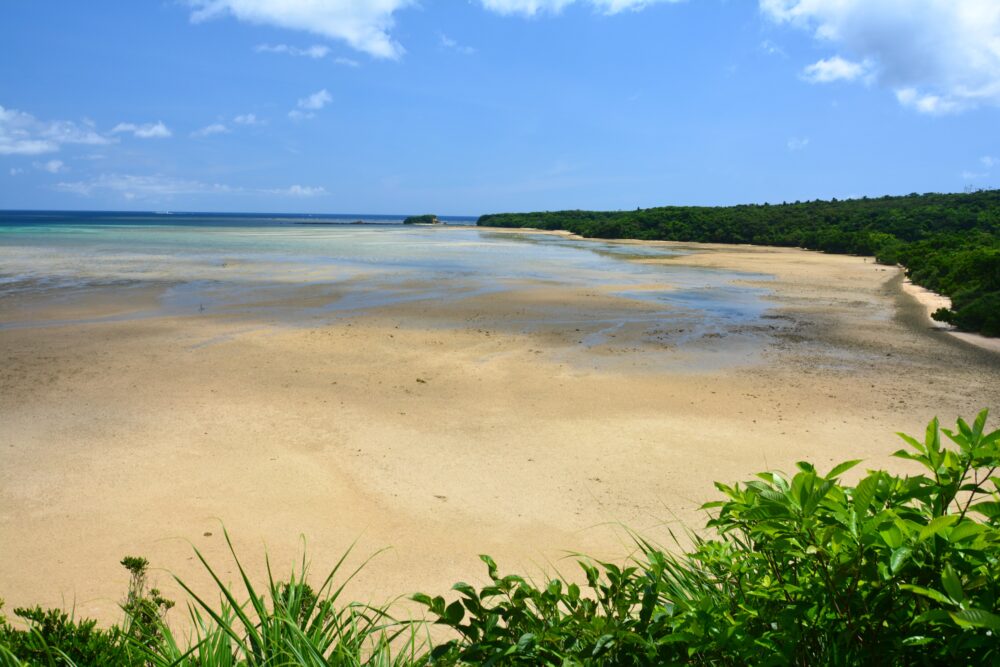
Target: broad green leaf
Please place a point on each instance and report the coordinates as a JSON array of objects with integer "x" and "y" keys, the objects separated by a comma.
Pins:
[
  {"x": 864, "y": 493},
  {"x": 976, "y": 618},
  {"x": 980, "y": 423},
  {"x": 899, "y": 558},
  {"x": 913, "y": 442},
  {"x": 928, "y": 593},
  {"x": 965, "y": 530},
  {"x": 454, "y": 613},
  {"x": 932, "y": 438},
  {"x": 937, "y": 525},
  {"x": 990, "y": 509},
  {"x": 952, "y": 583},
  {"x": 917, "y": 640},
  {"x": 842, "y": 468},
  {"x": 892, "y": 536}
]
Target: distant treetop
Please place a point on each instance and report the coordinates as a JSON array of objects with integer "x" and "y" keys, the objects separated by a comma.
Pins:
[{"x": 428, "y": 219}]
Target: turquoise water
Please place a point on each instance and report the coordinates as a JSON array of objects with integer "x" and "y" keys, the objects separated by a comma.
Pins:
[{"x": 250, "y": 262}]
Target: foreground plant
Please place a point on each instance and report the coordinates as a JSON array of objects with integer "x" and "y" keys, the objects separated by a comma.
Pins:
[
  {"x": 803, "y": 570},
  {"x": 287, "y": 623}
]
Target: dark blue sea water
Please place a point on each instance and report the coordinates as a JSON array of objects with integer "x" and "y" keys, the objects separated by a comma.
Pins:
[{"x": 194, "y": 219}]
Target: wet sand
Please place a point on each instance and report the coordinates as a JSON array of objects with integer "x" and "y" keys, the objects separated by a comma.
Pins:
[{"x": 516, "y": 424}]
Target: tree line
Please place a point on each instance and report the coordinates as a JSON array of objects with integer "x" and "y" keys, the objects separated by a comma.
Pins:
[{"x": 949, "y": 243}]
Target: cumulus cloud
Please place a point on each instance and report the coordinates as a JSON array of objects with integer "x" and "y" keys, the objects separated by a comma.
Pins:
[
  {"x": 247, "y": 119},
  {"x": 533, "y": 7},
  {"x": 209, "y": 130},
  {"x": 52, "y": 166},
  {"x": 364, "y": 26},
  {"x": 307, "y": 106},
  {"x": 316, "y": 101},
  {"x": 131, "y": 186},
  {"x": 926, "y": 102},
  {"x": 316, "y": 51},
  {"x": 155, "y": 130},
  {"x": 835, "y": 69},
  {"x": 23, "y": 134},
  {"x": 937, "y": 56}
]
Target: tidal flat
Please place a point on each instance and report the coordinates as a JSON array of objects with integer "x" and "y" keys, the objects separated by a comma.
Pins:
[{"x": 443, "y": 392}]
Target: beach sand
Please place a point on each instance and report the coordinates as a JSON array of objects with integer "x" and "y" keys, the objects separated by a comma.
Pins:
[
  {"x": 509, "y": 424},
  {"x": 931, "y": 301}
]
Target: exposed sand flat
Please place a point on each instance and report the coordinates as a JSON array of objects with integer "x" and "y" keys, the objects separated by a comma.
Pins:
[{"x": 441, "y": 429}]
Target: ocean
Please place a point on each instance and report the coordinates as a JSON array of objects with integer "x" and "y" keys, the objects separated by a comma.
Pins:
[{"x": 258, "y": 264}]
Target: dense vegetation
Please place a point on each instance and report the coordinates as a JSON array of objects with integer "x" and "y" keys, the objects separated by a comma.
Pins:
[
  {"x": 949, "y": 243},
  {"x": 428, "y": 219},
  {"x": 799, "y": 570}
]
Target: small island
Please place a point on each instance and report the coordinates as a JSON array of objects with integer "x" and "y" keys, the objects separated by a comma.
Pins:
[{"x": 428, "y": 219}]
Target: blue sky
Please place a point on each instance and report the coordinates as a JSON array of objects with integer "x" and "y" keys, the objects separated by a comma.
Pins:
[{"x": 476, "y": 106}]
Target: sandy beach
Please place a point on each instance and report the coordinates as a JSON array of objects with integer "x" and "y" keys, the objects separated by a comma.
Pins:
[{"x": 509, "y": 423}]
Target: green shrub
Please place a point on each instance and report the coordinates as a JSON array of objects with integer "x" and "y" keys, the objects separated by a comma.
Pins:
[
  {"x": 804, "y": 570},
  {"x": 797, "y": 570}
]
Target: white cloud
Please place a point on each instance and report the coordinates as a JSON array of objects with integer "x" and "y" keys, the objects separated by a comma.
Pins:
[
  {"x": 835, "y": 69},
  {"x": 937, "y": 56},
  {"x": 155, "y": 130},
  {"x": 14, "y": 171},
  {"x": 364, "y": 25},
  {"x": 247, "y": 119},
  {"x": 23, "y": 134},
  {"x": 989, "y": 161},
  {"x": 448, "y": 43},
  {"x": 926, "y": 103},
  {"x": 52, "y": 166},
  {"x": 797, "y": 143},
  {"x": 130, "y": 186},
  {"x": 347, "y": 62},
  {"x": 310, "y": 104},
  {"x": 316, "y": 51},
  {"x": 533, "y": 7},
  {"x": 297, "y": 191},
  {"x": 316, "y": 101},
  {"x": 209, "y": 130}
]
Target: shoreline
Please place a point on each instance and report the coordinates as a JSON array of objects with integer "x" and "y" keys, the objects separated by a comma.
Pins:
[
  {"x": 442, "y": 428},
  {"x": 931, "y": 301}
]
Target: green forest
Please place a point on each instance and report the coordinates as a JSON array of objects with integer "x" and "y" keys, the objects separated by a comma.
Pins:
[{"x": 949, "y": 243}]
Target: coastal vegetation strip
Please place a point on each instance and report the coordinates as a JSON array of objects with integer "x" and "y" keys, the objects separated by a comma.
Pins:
[
  {"x": 948, "y": 243},
  {"x": 428, "y": 219},
  {"x": 796, "y": 569}
]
